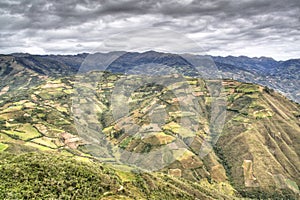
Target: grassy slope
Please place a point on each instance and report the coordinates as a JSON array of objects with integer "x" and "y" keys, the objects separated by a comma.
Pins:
[
  {"x": 39, "y": 175},
  {"x": 263, "y": 128}
]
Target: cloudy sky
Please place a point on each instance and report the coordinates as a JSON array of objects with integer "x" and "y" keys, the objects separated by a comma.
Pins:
[{"x": 216, "y": 27}]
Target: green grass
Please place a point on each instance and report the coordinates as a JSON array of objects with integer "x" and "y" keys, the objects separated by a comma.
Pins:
[
  {"x": 3, "y": 146},
  {"x": 247, "y": 88},
  {"x": 126, "y": 176},
  {"x": 13, "y": 108},
  {"x": 173, "y": 127},
  {"x": 241, "y": 118},
  {"x": 263, "y": 114},
  {"x": 125, "y": 142},
  {"x": 291, "y": 184},
  {"x": 68, "y": 91},
  {"x": 25, "y": 132},
  {"x": 38, "y": 146},
  {"x": 62, "y": 109},
  {"x": 45, "y": 141}
]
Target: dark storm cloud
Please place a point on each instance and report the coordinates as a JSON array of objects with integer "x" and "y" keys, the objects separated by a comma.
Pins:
[{"x": 251, "y": 27}]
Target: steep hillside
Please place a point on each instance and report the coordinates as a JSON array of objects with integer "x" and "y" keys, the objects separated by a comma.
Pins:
[
  {"x": 133, "y": 61},
  {"x": 260, "y": 141},
  {"x": 283, "y": 76},
  {"x": 257, "y": 153},
  {"x": 22, "y": 71},
  {"x": 15, "y": 76}
]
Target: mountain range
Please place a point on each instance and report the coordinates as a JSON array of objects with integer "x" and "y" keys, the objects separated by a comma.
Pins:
[{"x": 281, "y": 76}]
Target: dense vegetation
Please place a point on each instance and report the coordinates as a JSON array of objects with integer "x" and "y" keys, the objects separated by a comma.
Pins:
[{"x": 46, "y": 176}]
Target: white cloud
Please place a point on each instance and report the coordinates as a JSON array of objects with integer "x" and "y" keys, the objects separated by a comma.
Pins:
[{"x": 251, "y": 28}]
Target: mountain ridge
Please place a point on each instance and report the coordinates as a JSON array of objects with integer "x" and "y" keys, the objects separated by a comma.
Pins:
[
  {"x": 279, "y": 75},
  {"x": 89, "y": 53}
]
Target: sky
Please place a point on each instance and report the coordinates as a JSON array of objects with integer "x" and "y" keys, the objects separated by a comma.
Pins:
[{"x": 253, "y": 28}]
